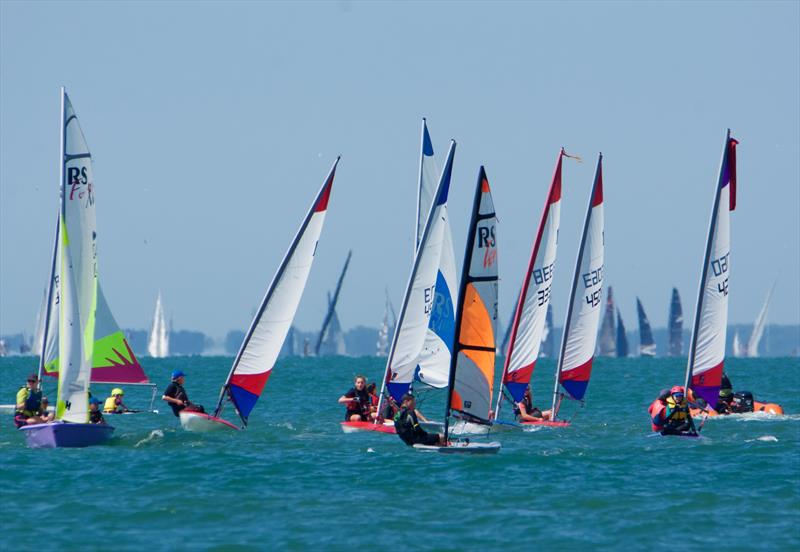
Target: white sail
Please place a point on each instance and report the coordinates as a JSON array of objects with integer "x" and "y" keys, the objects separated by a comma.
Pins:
[
  {"x": 78, "y": 271},
  {"x": 158, "y": 342},
  {"x": 418, "y": 302},
  {"x": 38, "y": 334},
  {"x": 758, "y": 327},
  {"x": 736, "y": 347}
]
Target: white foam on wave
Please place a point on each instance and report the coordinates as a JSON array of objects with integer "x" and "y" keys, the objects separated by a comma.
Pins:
[
  {"x": 156, "y": 434},
  {"x": 370, "y": 449},
  {"x": 764, "y": 438}
]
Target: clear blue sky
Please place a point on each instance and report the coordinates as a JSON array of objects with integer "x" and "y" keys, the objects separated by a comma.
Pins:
[{"x": 213, "y": 124}]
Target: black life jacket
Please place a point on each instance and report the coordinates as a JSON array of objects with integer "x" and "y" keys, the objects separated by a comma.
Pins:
[{"x": 33, "y": 404}]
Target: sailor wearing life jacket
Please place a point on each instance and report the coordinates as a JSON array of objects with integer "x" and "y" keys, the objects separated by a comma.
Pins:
[
  {"x": 28, "y": 407},
  {"x": 669, "y": 413}
]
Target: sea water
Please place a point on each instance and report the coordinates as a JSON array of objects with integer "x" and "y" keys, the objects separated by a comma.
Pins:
[{"x": 293, "y": 480}]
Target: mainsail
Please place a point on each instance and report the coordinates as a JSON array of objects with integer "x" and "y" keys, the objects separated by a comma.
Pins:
[
  {"x": 529, "y": 319},
  {"x": 606, "y": 341},
  {"x": 622, "y": 337},
  {"x": 647, "y": 345},
  {"x": 675, "y": 324},
  {"x": 331, "y": 335},
  {"x": 434, "y": 359},
  {"x": 264, "y": 339},
  {"x": 758, "y": 327},
  {"x": 579, "y": 339},
  {"x": 707, "y": 347},
  {"x": 472, "y": 368},
  {"x": 158, "y": 343},
  {"x": 412, "y": 325},
  {"x": 78, "y": 270},
  {"x": 113, "y": 360}
]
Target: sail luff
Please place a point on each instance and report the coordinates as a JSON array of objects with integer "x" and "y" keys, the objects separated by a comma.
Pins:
[
  {"x": 262, "y": 343},
  {"x": 420, "y": 288}
]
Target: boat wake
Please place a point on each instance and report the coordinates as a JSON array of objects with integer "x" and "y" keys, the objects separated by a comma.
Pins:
[{"x": 155, "y": 435}]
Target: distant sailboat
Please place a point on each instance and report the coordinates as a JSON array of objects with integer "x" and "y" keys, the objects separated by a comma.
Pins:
[
  {"x": 606, "y": 341},
  {"x": 622, "y": 337},
  {"x": 387, "y": 328},
  {"x": 737, "y": 349},
  {"x": 647, "y": 345},
  {"x": 707, "y": 347},
  {"x": 262, "y": 343},
  {"x": 675, "y": 325},
  {"x": 331, "y": 337},
  {"x": 158, "y": 343},
  {"x": 76, "y": 270},
  {"x": 548, "y": 347},
  {"x": 758, "y": 327},
  {"x": 579, "y": 339}
]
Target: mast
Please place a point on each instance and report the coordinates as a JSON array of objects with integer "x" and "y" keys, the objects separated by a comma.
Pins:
[
  {"x": 704, "y": 273},
  {"x": 575, "y": 276},
  {"x": 523, "y": 293},
  {"x": 332, "y": 304},
  {"x": 441, "y": 190}
]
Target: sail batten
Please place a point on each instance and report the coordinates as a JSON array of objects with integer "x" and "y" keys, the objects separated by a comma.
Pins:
[{"x": 270, "y": 326}]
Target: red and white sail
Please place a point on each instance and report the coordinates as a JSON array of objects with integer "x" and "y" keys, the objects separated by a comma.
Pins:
[
  {"x": 707, "y": 348},
  {"x": 263, "y": 342},
  {"x": 583, "y": 314},
  {"x": 528, "y": 324}
]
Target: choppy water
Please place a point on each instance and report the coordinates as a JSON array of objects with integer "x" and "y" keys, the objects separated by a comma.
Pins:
[{"x": 293, "y": 480}]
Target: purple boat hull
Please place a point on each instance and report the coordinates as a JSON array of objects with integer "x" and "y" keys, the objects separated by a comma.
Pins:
[{"x": 63, "y": 434}]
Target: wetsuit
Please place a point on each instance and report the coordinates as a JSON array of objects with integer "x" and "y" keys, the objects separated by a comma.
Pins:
[
  {"x": 361, "y": 406},
  {"x": 407, "y": 426}
]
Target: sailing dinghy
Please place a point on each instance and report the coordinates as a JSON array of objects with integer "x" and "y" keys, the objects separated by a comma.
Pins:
[
  {"x": 529, "y": 320},
  {"x": 158, "y": 342},
  {"x": 264, "y": 339},
  {"x": 472, "y": 366},
  {"x": 432, "y": 361},
  {"x": 579, "y": 340},
  {"x": 76, "y": 254}
]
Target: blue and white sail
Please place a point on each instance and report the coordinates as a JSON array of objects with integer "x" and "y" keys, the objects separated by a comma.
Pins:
[
  {"x": 411, "y": 334},
  {"x": 433, "y": 363}
]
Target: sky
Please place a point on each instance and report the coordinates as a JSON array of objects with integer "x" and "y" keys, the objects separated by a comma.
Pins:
[{"x": 212, "y": 126}]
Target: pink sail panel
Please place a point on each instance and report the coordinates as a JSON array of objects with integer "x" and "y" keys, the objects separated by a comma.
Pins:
[
  {"x": 583, "y": 316},
  {"x": 529, "y": 316},
  {"x": 707, "y": 352}
]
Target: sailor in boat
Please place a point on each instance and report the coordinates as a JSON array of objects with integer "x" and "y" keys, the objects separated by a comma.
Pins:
[
  {"x": 670, "y": 414},
  {"x": 373, "y": 398},
  {"x": 114, "y": 404},
  {"x": 526, "y": 412},
  {"x": 357, "y": 401},
  {"x": 176, "y": 395},
  {"x": 30, "y": 406},
  {"x": 406, "y": 423},
  {"x": 95, "y": 416}
]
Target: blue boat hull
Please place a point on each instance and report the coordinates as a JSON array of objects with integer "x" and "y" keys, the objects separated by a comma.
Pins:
[{"x": 66, "y": 435}]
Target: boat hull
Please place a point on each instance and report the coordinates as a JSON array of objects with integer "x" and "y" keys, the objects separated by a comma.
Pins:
[
  {"x": 462, "y": 448},
  {"x": 199, "y": 422},
  {"x": 66, "y": 435},
  {"x": 546, "y": 423},
  {"x": 359, "y": 427}
]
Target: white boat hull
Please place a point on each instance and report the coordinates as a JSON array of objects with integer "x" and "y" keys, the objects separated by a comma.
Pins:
[
  {"x": 462, "y": 448},
  {"x": 198, "y": 422}
]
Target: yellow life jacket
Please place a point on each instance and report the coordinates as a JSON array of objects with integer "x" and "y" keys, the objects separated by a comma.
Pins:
[
  {"x": 110, "y": 404},
  {"x": 679, "y": 411}
]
